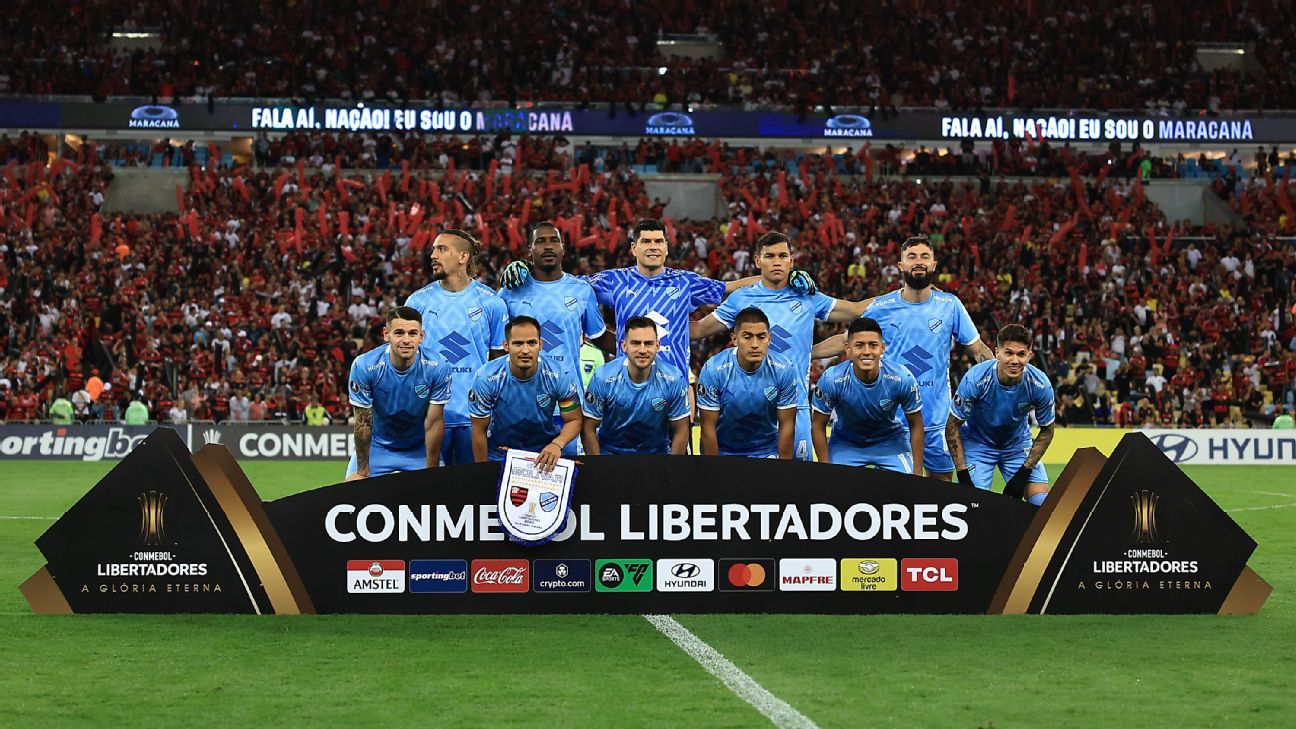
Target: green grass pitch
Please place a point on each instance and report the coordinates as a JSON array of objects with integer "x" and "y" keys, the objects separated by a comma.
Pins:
[{"x": 841, "y": 671}]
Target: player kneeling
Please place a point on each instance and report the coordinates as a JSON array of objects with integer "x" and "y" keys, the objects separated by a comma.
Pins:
[
  {"x": 864, "y": 393},
  {"x": 748, "y": 397},
  {"x": 635, "y": 404},
  {"x": 988, "y": 426},
  {"x": 397, "y": 396}
]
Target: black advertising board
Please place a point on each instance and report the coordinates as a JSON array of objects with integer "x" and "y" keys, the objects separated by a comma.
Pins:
[{"x": 647, "y": 534}]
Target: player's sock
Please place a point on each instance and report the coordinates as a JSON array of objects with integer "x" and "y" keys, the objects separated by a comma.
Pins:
[{"x": 1037, "y": 499}]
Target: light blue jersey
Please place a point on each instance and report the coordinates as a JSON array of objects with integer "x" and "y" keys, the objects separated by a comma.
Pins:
[
  {"x": 636, "y": 418},
  {"x": 920, "y": 337},
  {"x": 460, "y": 328},
  {"x": 867, "y": 413},
  {"x": 996, "y": 424},
  {"x": 566, "y": 309},
  {"x": 748, "y": 402},
  {"x": 400, "y": 403},
  {"x": 521, "y": 411},
  {"x": 667, "y": 298},
  {"x": 997, "y": 415},
  {"x": 792, "y": 316}
]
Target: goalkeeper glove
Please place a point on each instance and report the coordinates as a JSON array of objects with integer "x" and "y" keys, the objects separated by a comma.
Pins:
[
  {"x": 1016, "y": 486},
  {"x": 515, "y": 274},
  {"x": 801, "y": 283},
  {"x": 965, "y": 477}
]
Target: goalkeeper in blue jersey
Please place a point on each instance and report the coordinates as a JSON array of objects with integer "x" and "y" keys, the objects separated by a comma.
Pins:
[
  {"x": 636, "y": 404},
  {"x": 397, "y": 393},
  {"x": 989, "y": 423}
]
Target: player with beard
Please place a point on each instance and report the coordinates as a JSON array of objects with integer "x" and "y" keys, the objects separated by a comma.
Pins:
[
  {"x": 463, "y": 321},
  {"x": 920, "y": 325}
]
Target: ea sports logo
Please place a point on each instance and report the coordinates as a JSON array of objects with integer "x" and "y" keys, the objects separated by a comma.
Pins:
[
  {"x": 1179, "y": 448},
  {"x": 375, "y": 570}
]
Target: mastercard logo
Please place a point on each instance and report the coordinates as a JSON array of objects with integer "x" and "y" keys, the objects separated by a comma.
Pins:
[{"x": 747, "y": 575}]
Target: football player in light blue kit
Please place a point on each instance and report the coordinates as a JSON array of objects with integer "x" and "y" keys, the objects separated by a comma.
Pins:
[
  {"x": 565, "y": 306},
  {"x": 864, "y": 393},
  {"x": 792, "y": 316},
  {"x": 748, "y": 396},
  {"x": 989, "y": 424},
  {"x": 651, "y": 288},
  {"x": 513, "y": 398},
  {"x": 635, "y": 404},
  {"x": 919, "y": 326},
  {"x": 463, "y": 321},
  {"x": 397, "y": 394}
]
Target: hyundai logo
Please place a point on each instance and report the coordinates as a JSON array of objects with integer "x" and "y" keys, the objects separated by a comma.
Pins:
[
  {"x": 1179, "y": 448},
  {"x": 685, "y": 570}
]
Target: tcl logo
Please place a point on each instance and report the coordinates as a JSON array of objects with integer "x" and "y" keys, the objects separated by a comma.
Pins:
[
  {"x": 500, "y": 575},
  {"x": 931, "y": 575}
]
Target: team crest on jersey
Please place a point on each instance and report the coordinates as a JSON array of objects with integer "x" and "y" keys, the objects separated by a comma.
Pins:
[
  {"x": 672, "y": 292},
  {"x": 475, "y": 313},
  {"x": 658, "y": 403},
  {"x": 934, "y": 323},
  {"x": 421, "y": 391},
  {"x": 544, "y": 401},
  {"x": 1022, "y": 407},
  {"x": 794, "y": 306},
  {"x": 570, "y": 303},
  {"x": 886, "y": 403},
  {"x": 771, "y": 392}
]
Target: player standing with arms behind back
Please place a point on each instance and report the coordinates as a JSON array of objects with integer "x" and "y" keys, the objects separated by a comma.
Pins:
[
  {"x": 920, "y": 326},
  {"x": 463, "y": 320},
  {"x": 397, "y": 394},
  {"x": 989, "y": 425}
]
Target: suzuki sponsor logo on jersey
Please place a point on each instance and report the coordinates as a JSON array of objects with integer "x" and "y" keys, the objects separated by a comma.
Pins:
[
  {"x": 455, "y": 347},
  {"x": 685, "y": 575},
  {"x": 500, "y": 575},
  {"x": 918, "y": 360},
  {"x": 797, "y": 574},
  {"x": 375, "y": 576},
  {"x": 929, "y": 574},
  {"x": 438, "y": 575}
]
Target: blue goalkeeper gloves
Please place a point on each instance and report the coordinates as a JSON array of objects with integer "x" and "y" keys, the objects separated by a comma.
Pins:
[
  {"x": 801, "y": 283},
  {"x": 515, "y": 274}
]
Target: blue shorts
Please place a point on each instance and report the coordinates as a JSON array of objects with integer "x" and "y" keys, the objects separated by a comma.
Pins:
[
  {"x": 894, "y": 455},
  {"x": 982, "y": 460},
  {"x": 801, "y": 448},
  {"x": 383, "y": 461},
  {"x": 456, "y": 445},
  {"x": 936, "y": 455},
  {"x": 752, "y": 454}
]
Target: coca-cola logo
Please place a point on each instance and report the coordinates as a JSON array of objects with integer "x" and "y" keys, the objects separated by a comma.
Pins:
[
  {"x": 500, "y": 575},
  {"x": 506, "y": 576}
]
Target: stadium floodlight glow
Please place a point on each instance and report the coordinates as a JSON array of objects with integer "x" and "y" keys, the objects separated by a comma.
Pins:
[{"x": 135, "y": 34}]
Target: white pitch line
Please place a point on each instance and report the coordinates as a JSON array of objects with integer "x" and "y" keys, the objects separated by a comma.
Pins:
[
  {"x": 778, "y": 711},
  {"x": 36, "y": 518},
  {"x": 1273, "y": 493},
  {"x": 1261, "y": 508}
]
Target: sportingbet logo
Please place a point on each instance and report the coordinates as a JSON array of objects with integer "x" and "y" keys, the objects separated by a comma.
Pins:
[
  {"x": 500, "y": 575},
  {"x": 929, "y": 575},
  {"x": 869, "y": 574},
  {"x": 375, "y": 576},
  {"x": 61, "y": 442},
  {"x": 623, "y": 575},
  {"x": 807, "y": 575},
  {"x": 438, "y": 575},
  {"x": 685, "y": 575}
]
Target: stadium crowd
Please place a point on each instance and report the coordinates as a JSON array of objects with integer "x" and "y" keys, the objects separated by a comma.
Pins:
[
  {"x": 252, "y": 303},
  {"x": 1105, "y": 54}
]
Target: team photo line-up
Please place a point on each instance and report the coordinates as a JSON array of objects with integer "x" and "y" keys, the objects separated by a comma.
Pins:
[{"x": 466, "y": 373}]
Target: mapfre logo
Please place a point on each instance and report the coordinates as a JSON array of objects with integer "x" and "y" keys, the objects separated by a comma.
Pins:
[
  {"x": 500, "y": 575},
  {"x": 929, "y": 575},
  {"x": 797, "y": 574}
]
